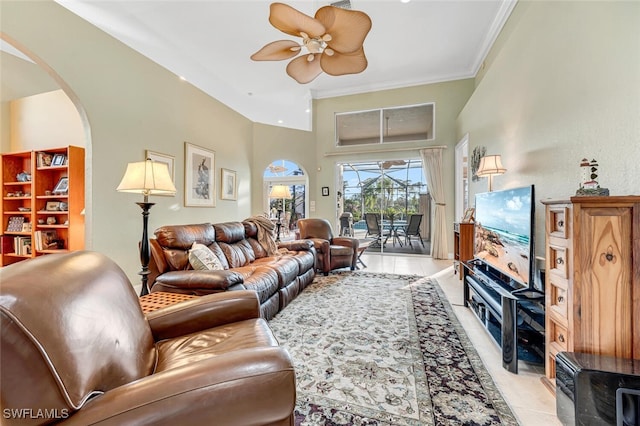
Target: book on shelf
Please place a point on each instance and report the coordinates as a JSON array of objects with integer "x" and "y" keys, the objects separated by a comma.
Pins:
[
  {"x": 46, "y": 240},
  {"x": 6, "y": 244},
  {"x": 44, "y": 159},
  {"x": 22, "y": 246}
]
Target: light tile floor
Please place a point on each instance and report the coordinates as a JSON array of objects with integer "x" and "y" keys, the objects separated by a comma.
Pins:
[{"x": 530, "y": 401}]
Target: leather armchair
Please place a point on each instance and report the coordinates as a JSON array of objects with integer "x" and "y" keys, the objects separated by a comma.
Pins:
[
  {"x": 76, "y": 348},
  {"x": 331, "y": 252}
]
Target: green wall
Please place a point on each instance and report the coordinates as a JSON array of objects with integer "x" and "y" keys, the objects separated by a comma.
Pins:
[{"x": 561, "y": 83}]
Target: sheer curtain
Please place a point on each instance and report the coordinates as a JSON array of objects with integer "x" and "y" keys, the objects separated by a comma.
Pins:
[{"x": 432, "y": 165}]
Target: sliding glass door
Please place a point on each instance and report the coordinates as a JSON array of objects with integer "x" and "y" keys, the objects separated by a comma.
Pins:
[{"x": 391, "y": 191}]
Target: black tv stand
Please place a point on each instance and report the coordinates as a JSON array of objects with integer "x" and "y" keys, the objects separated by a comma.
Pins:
[{"x": 513, "y": 317}]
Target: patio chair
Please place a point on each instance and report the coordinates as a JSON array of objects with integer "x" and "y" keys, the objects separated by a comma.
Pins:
[
  {"x": 346, "y": 224},
  {"x": 374, "y": 229},
  {"x": 412, "y": 229}
]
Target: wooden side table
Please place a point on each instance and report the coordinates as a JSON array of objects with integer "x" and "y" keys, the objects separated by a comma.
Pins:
[{"x": 462, "y": 244}]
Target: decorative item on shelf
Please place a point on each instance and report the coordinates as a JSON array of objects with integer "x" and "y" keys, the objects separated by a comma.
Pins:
[
  {"x": 64, "y": 206},
  {"x": 44, "y": 159},
  {"x": 24, "y": 209},
  {"x": 15, "y": 224},
  {"x": 332, "y": 41},
  {"x": 478, "y": 153},
  {"x": 47, "y": 193},
  {"x": 52, "y": 206},
  {"x": 23, "y": 177},
  {"x": 40, "y": 221},
  {"x": 589, "y": 185},
  {"x": 59, "y": 160},
  {"x": 62, "y": 187},
  {"x": 280, "y": 192},
  {"x": 51, "y": 220},
  {"x": 490, "y": 165},
  {"x": 146, "y": 178},
  {"x": 469, "y": 215}
]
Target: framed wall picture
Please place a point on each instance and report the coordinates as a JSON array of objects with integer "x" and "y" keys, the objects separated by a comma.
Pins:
[
  {"x": 199, "y": 179},
  {"x": 228, "y": 185},
  {"x": 169, "y": 160},
  {"x": 325, "y": 191}
]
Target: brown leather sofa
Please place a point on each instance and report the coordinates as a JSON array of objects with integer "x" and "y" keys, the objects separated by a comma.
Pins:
[
  {"x": 77, "y": 349},
  {"x": 277, "y": 279},
  {"x": 332, "y": 252}
]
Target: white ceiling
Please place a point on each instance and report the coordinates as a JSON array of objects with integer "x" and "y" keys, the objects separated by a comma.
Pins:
[{"x": 209, "y": 42}]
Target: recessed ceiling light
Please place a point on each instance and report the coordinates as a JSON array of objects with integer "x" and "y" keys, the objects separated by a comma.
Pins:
[
  {"x": 280, "y": 121},
  {"x": 405, "y": 1},
  {"x": 307, "y": 110},
  {"x": 182, "y": 78}
]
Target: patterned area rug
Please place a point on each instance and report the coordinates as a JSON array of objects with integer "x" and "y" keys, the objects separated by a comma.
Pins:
[{"x": 383, "y": 349}]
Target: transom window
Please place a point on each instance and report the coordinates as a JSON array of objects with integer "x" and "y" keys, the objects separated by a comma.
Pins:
[{"x": 386, "y": 125}]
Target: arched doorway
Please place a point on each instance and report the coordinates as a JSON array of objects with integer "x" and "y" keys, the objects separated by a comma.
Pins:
[{"x": 292, "y": 207}]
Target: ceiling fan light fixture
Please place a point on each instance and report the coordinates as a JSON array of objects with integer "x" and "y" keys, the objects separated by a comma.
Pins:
[{"x": 335, "y": 34}]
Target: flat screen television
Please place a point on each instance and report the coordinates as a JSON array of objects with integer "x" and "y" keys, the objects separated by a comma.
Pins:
[{"x": 504, "y": 226}]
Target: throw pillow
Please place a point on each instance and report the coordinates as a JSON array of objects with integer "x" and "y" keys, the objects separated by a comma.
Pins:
[{"x": 202, "y": 258}]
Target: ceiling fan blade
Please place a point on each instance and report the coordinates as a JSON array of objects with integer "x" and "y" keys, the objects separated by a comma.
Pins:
[
  {"x": 303, "y": 71},
  {"x": 277, "y": 51},
  {"x": 348, "y": 28},
  {"x": 344, "y": 63},
  {"x": 293, "y": 22}
]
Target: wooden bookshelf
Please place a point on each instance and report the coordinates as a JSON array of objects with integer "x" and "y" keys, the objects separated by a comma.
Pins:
[{"x": 48, "y": 210}]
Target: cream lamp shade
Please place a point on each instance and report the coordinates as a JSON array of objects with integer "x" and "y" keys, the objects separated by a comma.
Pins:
[
  {"x": 490, "y": 165},
  {"x": 281, "y": 192},
  {"x": 147, "y": 178}
]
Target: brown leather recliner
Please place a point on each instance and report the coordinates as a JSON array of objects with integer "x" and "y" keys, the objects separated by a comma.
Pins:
[
  {"x": 76, "y": 348},
  {"x": 331, "y": 252}
]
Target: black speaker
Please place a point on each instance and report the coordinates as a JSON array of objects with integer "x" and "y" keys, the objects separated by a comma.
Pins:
[{"x": 593, "y": 390}]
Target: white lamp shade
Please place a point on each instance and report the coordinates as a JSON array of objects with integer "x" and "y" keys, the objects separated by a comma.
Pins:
[
  {"x": 148, "y": 178},
  {"x": 490, "y": 165},
  {"x": 280, "y": 191}
]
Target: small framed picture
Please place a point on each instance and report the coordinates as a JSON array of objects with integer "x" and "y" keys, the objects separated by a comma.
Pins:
[
  {"x": 52, "y": 206},
  {"x": 58, "y": 160},
  {"x": 62, "y": 187},
  {"x": 229, "y": 185},
  {"x": 163, "y": 158},
  {"x": 468, "y": 215},
  {"x": 325, "y": 191}
]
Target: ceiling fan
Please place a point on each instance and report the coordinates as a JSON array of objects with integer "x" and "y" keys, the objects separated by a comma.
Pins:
[{"x": 331, "y": 41}]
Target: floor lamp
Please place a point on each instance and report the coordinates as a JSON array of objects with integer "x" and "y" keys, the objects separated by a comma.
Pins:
[
  {"x": 280, "y": 192},
  {"x": 146, "y": 178},
  {"x": 490, "y": 165}
]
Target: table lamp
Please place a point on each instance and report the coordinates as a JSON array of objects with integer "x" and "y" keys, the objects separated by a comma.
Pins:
[
  {"x": 280, "y": 192},
  {"x": 146, "y": 178}
]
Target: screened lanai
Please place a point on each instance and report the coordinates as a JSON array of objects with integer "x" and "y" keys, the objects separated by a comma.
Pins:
[{"x": 393, "y": 190}]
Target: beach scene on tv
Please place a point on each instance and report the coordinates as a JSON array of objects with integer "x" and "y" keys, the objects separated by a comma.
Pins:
[{"x": 503, "y": 231}]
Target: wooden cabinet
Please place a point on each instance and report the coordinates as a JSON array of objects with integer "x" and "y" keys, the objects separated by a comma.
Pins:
[
  {"x": 462, "y": 244},
  {"x": 592, "y": 277},
  {"x": 54, "y": 221}
]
